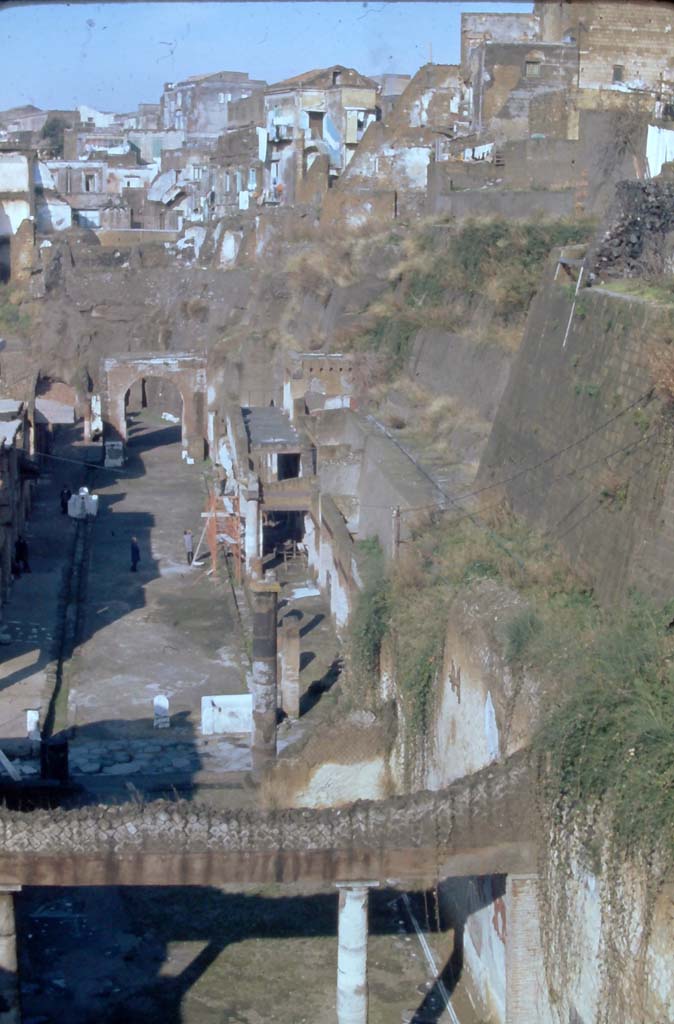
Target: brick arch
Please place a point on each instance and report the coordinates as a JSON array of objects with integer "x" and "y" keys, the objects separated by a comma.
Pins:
[{"x": 187, "y": 370}]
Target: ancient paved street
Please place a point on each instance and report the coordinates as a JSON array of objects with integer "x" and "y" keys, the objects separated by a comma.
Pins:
[
  {"x": 167, "y": 629},
  {"x": 29, "y": 620}
]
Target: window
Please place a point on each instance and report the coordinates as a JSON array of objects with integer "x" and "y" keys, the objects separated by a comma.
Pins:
[
  {"x": 221, "y": 97},
  {"x": 618, "y": 73},
  {"x": 228, "y": 182},
  {"x": 336, "y": 77},
  {"x": 532, "y": 69},
  {"x": 89, "y": 182},
  {"x": 252, "y": 179},
  {"x": 316, "y": 124},
  {"x": 179, "y": 99}
]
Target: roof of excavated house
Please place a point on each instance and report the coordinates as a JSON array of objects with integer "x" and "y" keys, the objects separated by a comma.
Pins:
[{"x": 269, "y": 427}]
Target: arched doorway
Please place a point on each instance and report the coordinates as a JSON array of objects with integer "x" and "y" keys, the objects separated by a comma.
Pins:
[
  {"x": 184, "y": 371},
  {"x": 154, "y": 408}
]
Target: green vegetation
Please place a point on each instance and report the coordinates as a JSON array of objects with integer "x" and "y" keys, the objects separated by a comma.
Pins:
[
  {"x": 393, "y": 338},
  {"x": 658, "y": 290},
  {"x": 449, "y": 271},
  {"x": 584, "y": 388},
  {"x": 610, "y": 740},
  {"x": 370, "y": 621},
  {"x": 520, "y": 631},
  {"x": 441, "y": 559},
  {"x": 12, "y": 319},
  {"x": 607, "y": 736}
]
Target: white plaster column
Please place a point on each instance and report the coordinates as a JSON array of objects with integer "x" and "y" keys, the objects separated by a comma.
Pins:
[
  {"x": 290, "y": 668},
  {"x": 263, "y": 677},
  {"x": 352, "y": 952},
  {"x": 251, "y": 497},
  {"x": 10, "y": 1007},
  {"x": 120, "y": 417},
  {"x": 86, "y": 414}
]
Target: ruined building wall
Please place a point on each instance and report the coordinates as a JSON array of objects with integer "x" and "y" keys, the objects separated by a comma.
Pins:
[
  {"x": 587, "y": 168},
  {"x": 510, "y": 76},
  {"x": 635, "y": 36}
]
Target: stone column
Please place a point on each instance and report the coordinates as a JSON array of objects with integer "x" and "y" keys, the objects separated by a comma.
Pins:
[
  {"x": 352, "y": 952},
  {"x": 307, "y": 461},
  {"x": 263, "y": 675},
  {"x": 10, "y": 1007},
  {"x": 86, "y": 412},
  {"x": 192, "y": 424},
  {"x": 290, "y": 668},
  {"x": 526, "y": 990},
  {"x": 251, "y": 498}
]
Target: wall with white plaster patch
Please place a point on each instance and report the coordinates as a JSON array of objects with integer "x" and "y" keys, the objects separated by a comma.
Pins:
[
  {"x": 15, "y": 175},
  {"x": 13, "y": 212}
]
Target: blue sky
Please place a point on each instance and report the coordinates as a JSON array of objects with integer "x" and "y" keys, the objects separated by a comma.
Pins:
[{"x": 113, "y": 56}]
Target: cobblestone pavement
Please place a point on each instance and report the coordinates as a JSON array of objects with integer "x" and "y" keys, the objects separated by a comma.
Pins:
[{"x": 177, "y": 753}]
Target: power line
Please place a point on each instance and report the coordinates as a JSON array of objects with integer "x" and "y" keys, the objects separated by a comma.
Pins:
[
  {"x": 646, "y": 397},
  {"x": 82, "y": 463}
]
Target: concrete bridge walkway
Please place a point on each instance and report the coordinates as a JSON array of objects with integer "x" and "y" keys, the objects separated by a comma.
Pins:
[{"x": 483, "y": 824}]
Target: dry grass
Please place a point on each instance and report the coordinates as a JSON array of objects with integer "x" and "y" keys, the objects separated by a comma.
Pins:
[{"x": 661, "y": 367}]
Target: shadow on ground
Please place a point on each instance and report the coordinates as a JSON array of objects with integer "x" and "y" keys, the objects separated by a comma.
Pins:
[{"x": 182, "y": 956}]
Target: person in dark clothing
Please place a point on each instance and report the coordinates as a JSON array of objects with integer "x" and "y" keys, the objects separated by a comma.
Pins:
[
  {"x": 135, "y": 554},
  {"x": 189, "y": 545},
  {"x": 66, "y": 495},
  {"x": 21, "y": 555}
]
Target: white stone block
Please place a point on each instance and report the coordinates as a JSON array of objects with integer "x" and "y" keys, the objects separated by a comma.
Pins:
[
  {"x": 33, "y": 725},
  {"x": 162, "y": 719},
  {"x": 227, "y": 714}
]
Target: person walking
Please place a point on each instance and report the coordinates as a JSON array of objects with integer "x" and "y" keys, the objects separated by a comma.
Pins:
[
  {"x": 135, "y": 554},
  {"x": 66, "y": 495},
  {"x": 21, "y": 555},
  {"x": 188, "y": 541}
]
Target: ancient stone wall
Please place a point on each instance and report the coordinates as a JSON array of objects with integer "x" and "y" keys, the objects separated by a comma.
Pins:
[{"x": 580, "y": 447}]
